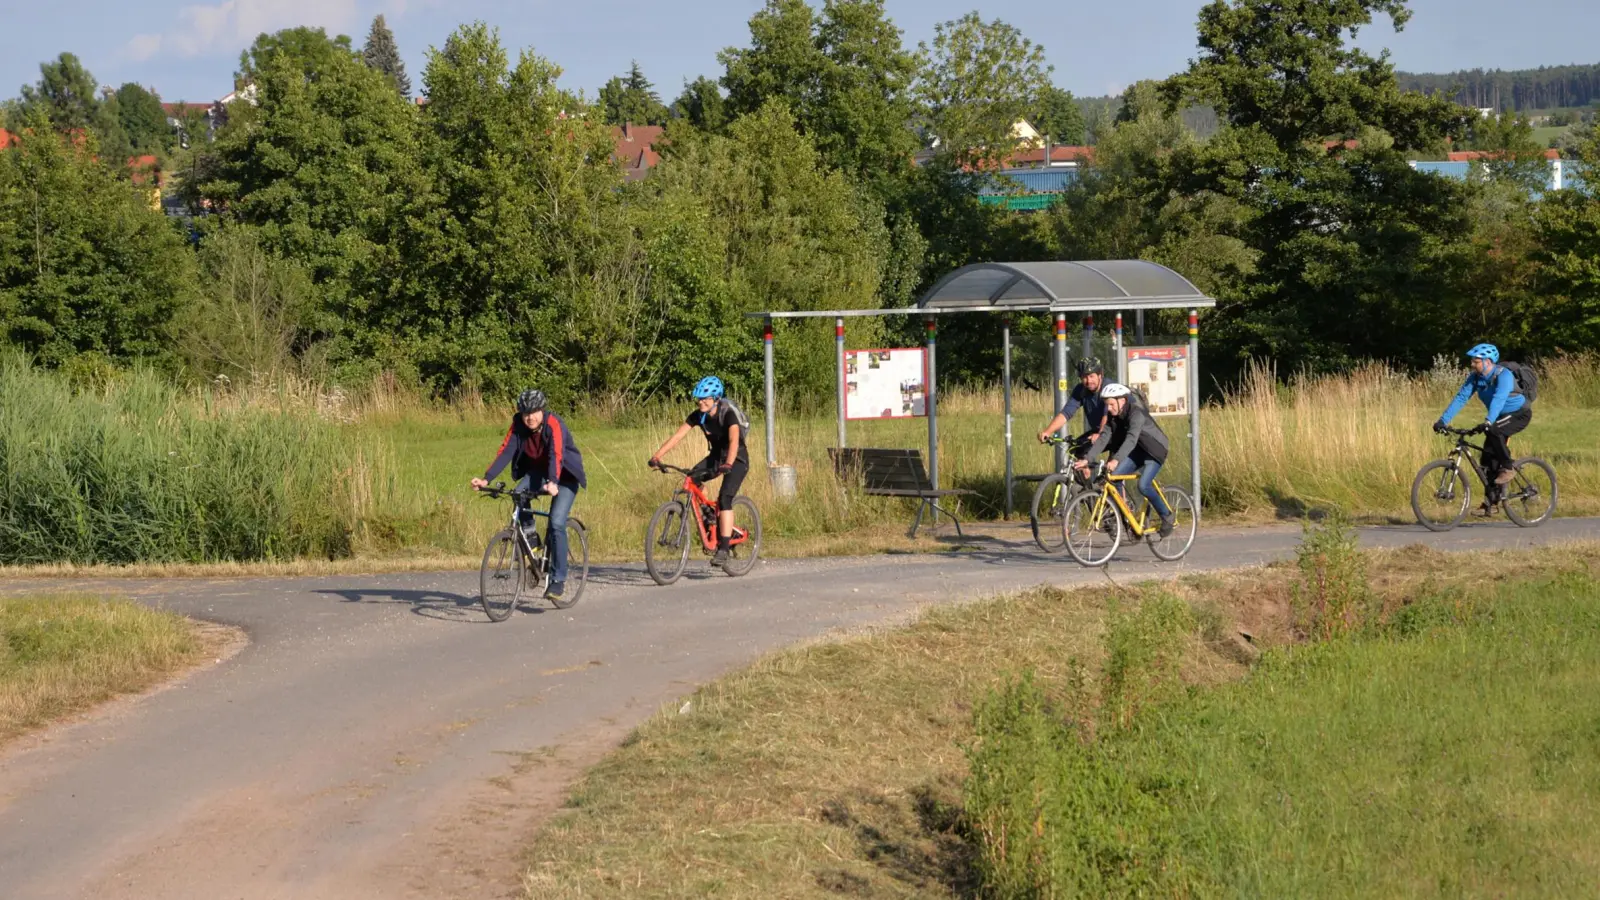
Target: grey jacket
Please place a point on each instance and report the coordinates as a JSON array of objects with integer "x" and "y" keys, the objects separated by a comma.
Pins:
[{"x": 1133, "y": 430}]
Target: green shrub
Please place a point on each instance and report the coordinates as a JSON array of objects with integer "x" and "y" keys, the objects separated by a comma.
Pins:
[{"x": 141, "y": 473}]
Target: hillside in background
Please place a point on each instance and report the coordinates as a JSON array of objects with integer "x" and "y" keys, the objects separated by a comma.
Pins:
[{"x": 1517, "y": 90}]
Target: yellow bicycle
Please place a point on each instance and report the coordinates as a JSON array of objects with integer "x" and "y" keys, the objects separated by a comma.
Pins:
[{"x": 1094, "y": 520}]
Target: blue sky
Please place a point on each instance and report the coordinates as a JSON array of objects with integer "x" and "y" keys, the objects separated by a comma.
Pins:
[{"x": 188, "y": 50}]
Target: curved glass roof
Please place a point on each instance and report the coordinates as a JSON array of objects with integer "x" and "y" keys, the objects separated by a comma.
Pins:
[{"x": 1064, "y": 286}]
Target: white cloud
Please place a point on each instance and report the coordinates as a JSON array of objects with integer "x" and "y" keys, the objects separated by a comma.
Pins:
[{"x": 228, "y": 27}]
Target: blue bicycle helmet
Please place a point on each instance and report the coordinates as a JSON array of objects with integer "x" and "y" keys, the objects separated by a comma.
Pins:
[
  {"x": 709, "y": 386},
  {"x": 1485, "y": 351}
]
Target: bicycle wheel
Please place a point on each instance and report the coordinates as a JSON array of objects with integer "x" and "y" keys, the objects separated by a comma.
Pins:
[
  {"x": 742, "y": 556},
  {"x": 1049, "y": 502},
  {"x": 1091, "y": 528},
  {"x": 501, "y": 578},
  {"x": 577, "y": 565},
  {"x": 1440, "y": 495},
  {"x": 1184, "y": 523},
  {"x": 666, "y": 543},
  {"x": 1531, "y": 495}
]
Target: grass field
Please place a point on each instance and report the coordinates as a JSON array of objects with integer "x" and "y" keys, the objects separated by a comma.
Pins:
[
  {"x": 1272, "y": 452},
  {"x": 61, "y": 654},
  {"x": 1454, "y": 752},
  {"x": 140, "y": 475}
]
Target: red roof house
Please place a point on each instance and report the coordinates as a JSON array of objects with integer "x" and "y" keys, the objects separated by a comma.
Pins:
[{"x": 636, "y": 148}]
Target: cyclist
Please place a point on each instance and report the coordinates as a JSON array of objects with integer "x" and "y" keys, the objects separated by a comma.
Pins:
[
  {"x": 543, "y": 456},
  {"x": 1085, "y": 396},
  {"x": 721, "y": 422},
  {"x": 1508, "y": 413},
  {"x": 1139, "y": 444}
]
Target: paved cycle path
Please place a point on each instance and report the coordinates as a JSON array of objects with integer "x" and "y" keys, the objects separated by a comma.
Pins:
[{"x": 380, "y": 738}]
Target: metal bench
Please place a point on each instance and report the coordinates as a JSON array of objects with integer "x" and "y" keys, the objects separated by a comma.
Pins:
[{"x": 894, "y": 473}]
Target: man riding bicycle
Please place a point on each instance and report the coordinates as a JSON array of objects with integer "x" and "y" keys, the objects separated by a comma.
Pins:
[
  {"x": 543, "y": 456},
  {"x": 720, "y": 420},
  {"x": 1508, "y": 413},
  {"x": 1086, "y": 396},
  {"x": 1139, "y": 445}
]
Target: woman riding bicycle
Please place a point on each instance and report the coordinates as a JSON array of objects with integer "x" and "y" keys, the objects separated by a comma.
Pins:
[
  {"x": 1139, "y": 445},
  {"x": 720, "y": 420},
  {"x": 543, "y": 456}
]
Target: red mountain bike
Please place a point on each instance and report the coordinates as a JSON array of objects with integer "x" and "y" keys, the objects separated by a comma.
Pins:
[{"x": 666, "y": 540}]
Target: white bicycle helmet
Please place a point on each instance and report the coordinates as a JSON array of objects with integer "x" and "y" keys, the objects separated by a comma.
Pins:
[{"x": 1114, "y": 390}]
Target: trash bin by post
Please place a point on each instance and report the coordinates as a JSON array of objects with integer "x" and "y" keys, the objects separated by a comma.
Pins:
[{"x": 783, "y": 482}]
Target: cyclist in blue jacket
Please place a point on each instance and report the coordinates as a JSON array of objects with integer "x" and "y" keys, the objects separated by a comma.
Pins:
[
  {"x": 543, "y": 456},
  {"x": 1508, "y": 413}
]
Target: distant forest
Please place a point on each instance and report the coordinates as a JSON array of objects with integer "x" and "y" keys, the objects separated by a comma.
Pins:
[{"x": 1518, "y": 90}]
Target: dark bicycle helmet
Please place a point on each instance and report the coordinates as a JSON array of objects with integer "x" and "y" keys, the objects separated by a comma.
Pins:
[
  {"x": 530, "y": 400},
  {"x": 1089, "y": 365}
]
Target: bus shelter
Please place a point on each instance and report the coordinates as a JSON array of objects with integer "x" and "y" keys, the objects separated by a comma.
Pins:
[{"x": 1057, "y": 288}]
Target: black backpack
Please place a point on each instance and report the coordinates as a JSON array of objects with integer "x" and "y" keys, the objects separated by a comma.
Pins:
[{"x": 1527, "y": 380}]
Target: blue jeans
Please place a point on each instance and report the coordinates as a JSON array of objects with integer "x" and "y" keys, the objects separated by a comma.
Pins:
[
  {"x": 1147, "y": 478},
  {"x": 555, "y": 537}
]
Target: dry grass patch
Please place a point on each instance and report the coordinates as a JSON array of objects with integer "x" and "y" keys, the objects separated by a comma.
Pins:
[
  {"x": 835, "y": 769},
  {"x": 62, "y": 654}
]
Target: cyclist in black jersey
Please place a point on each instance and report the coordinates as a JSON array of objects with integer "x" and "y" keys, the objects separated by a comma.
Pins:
[{"x": 722, "y": 423}]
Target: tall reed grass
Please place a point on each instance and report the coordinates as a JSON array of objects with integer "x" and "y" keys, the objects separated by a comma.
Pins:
[{"x": 140, "y": 471}]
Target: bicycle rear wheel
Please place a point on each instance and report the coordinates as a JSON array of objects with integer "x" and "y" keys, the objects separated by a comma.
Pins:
[
  {"x": 1092, "y": 529},
  {"x": 666, "y": 543},
  {"x": 1531, "y": 495},
  {"x": 1440, "y": 495},
  {"x": 742, "y": 556},
  {"x": 501, "y": 578},
  {"x": 1184, "y": 524},
  {"x": 1049, "y": 502},
  {"x": 577, "y": 565}
]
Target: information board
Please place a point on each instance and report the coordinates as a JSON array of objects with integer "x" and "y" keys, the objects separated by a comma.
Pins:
[
  {"x": 1161, "y": 376},
  {"x": 885, "y": 384}
]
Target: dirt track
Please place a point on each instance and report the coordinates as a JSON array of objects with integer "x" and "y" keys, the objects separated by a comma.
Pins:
[{"x": 380, "y": 738}]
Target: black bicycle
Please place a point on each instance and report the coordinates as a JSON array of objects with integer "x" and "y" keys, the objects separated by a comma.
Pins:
[
  {"x": 518, "y": 558},
  {"x": 1441, "y": 495},
  {"x": 1054, "y": 493}
]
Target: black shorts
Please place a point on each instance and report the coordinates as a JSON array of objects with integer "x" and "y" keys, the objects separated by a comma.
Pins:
[{"x": 706, "y": 469}]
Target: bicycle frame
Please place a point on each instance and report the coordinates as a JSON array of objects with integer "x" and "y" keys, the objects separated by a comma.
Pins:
[
  {"x": 533, "y": 554},
  {"x": 691, "y": 495},
  {"x": 1112, "y": 491},
  {"x": 1459, "y": 452}
]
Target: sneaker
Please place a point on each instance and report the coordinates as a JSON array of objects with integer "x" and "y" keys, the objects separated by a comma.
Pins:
[
  {"x": 1484, "y": 510},
  {"x": 1167, "y": 524},
  {"x": 1505, "y": 476},
  {"x": 555, "y": 590},
  {"x": 720, "y": 558}
]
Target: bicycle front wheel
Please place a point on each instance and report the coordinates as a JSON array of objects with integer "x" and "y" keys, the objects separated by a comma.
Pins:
[
  {"x": 742, "y": 556},
  {"x": 1440, "y": 495},
  {"x": 1049, "y": 502},
  {"x": 1531, "y": 495},
  {"x": 577, "y": 565},
  {"x": 1092, "y": 529},
  {"x": 1184, "y": 524},
  {"x": 666, "y": 543},
  {"x": 501, "y": 578}
]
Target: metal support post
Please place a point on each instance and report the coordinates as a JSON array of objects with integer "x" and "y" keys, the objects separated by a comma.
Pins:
[
  {"x": 1088, "y": 335},
  {"x": 1194, "y": 409},
  {"x": 1138, "y": 327},
  {"x": 933, "y": 407},
  {"x": 838, "y": 341},
  {"x": 772, "y": 444},
  {"x": 1005, "y": 389},
  {"x": 1061, "y": 383},
  {"x": 1116, "y": 349}
]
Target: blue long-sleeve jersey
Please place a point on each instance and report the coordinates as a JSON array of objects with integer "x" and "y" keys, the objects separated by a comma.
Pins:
[{"x": 1494, "y": 389}]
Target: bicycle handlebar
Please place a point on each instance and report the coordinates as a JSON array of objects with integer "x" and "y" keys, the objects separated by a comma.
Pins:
[
  {"x": 1464, "y": 432},
  {"x": 668, "y": 467}
]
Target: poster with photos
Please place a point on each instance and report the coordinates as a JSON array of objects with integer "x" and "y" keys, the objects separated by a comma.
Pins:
[
  {"x": 884, "y": 384},
  {"x": 1161, "y": 376}
]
